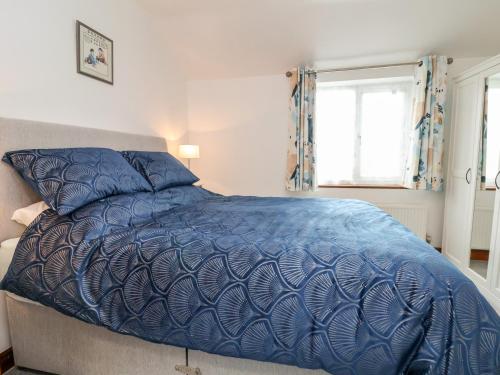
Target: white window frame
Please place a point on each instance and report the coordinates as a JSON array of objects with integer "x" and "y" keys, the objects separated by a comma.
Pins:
[{"x": 361, "y": 87}]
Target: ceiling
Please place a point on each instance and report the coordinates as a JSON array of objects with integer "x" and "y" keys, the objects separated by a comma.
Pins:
[{"x": 234, "y": 38}]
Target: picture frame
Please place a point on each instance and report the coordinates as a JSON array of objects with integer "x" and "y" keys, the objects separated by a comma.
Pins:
[{"x": 94, "y": 54}]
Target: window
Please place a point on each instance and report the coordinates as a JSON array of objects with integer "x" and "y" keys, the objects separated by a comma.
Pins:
[{"x": 362, "y": 133}]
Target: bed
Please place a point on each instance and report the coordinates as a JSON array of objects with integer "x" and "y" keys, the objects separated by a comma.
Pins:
[{"x": 327, "y": 285}]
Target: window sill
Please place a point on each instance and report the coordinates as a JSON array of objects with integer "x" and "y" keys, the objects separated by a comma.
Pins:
[{"x": 362, "y": 186}]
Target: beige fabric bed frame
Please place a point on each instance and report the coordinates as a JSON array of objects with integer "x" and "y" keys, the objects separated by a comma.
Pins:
[{"x": 46, "y": 340}]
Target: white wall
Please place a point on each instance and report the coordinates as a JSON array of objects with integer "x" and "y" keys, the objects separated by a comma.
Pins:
[
  {"x": 241, "y": 127},
  {"x": 38, "y": 78}
]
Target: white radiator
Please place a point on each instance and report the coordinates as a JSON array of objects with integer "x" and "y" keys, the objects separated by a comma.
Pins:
[
  {"x": 412, "y": 216},
  {"x": 481, "y": 228}
]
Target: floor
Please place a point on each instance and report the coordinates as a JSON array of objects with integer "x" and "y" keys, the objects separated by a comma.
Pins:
[{"x": 479, "y": 266}]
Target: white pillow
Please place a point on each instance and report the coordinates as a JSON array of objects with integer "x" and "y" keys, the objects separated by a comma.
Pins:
[
  {"x": 26, "y": 215},
  {"x": 7, "y": 248}
]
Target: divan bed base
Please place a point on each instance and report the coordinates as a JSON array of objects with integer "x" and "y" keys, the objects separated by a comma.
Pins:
[{"x": 46, "y": 340}]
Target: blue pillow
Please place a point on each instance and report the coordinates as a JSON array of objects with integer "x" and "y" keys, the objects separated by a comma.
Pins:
[
  {"x": 69, "y": 178},
  {"x": 161, "y": 169}
]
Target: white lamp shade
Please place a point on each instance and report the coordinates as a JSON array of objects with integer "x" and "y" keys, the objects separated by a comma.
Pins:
[{"x": 189, "y": 151}]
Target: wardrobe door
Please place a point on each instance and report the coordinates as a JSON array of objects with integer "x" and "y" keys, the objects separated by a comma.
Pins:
[
  {"x": 493, "y": 175},
  {"x": 461, "y": 172},
  {"x": 494, "y": 264}
]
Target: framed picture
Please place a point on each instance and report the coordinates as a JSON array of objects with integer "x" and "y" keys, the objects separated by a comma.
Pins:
[{"x": 94, "y": 53}]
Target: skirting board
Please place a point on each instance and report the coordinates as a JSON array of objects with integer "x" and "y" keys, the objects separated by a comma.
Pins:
[
  {"x": 6, "y": 361},
  {"x": 46, "y": 340}
]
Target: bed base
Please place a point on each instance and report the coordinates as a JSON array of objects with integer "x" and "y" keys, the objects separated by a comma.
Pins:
[{"x": 45, "y": 340}]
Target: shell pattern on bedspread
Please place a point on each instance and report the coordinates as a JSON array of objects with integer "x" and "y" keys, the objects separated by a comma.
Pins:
[{"x": 318, "y": 283}]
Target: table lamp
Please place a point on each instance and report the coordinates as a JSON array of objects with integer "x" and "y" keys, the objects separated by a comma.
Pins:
[{"x": 189, "y": 152}]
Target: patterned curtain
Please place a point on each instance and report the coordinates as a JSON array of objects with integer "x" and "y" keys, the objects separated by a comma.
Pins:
[
  {"x": 301, "y": 164},
  {"x": 484, "y": 139},
  {"x": 424, "y": 166}
]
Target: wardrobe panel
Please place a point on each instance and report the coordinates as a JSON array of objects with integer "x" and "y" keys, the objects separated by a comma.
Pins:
[
  {"x": 471, "y": 235},
  {"x": 488, "y": 166},
  {"x": 459, "y": 198}
]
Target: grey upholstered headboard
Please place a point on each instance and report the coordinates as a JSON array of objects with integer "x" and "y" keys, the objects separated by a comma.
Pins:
[{"x": 21, "y": 134}]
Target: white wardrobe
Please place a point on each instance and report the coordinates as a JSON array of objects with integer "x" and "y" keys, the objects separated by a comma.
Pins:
[{"x": 471, "y": 237}]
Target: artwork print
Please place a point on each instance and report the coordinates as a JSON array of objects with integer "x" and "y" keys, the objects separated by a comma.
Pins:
[{"x": 94, "y": 53}]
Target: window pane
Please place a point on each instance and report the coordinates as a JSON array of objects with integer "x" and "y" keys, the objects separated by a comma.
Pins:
[
  {"x": 336, "y": 116},
  {"x": 493, "y": 145},
  {"x": 362, "y": 130},
  {"x": 382, "y": 127}
]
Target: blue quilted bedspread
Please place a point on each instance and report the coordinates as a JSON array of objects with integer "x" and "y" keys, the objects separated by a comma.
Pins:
[{"x": 318, "y": 283}]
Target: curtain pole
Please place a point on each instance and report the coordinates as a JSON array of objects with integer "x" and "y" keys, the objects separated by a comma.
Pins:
[{"x": 289, "y": 74}]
